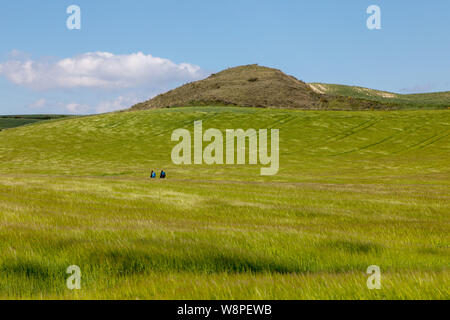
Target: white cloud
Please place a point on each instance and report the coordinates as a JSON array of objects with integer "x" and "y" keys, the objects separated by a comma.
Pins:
[
  {"x": 38, "y": 104},
  {"x": 98, "y": 70},
  {"x": 119, "y": 103},
  {"x": 77, "y": 108}
]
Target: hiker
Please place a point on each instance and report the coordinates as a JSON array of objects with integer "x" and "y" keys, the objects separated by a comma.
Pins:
[
  {"x": 163, "y": 174},
  {"x": 153, "y": 174}
]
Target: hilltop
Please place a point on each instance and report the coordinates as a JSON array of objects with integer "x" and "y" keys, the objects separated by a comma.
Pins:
[{"x": 247, "y": 86}]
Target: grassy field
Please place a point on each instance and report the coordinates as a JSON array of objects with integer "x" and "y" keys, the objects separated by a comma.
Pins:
[
  {"x": 354, "y": 189},
  {"x": 14, "y": 121},
  {"x": 422, "y": 101}
]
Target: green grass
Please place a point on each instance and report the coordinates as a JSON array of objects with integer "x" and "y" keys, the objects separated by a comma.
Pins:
[
  {"x": 354, "y": 189},
  {"x": 13, "y": 121},
  {"x": 435, "y": 100}
]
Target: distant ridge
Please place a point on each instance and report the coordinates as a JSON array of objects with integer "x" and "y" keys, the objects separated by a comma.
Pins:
[{"x": 422, "y": 100}]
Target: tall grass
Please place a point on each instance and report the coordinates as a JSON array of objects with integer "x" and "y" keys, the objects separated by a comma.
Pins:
[{"x": 354, "y": 189}]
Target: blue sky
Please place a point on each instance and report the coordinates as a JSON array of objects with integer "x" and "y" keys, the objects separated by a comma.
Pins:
[{"x": 113, "y": 61}]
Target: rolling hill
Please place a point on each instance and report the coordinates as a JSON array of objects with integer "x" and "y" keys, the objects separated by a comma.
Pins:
[
  {"x": 257, "y": 86},
  {"x": 420, "y": 100},
  {"x": 354, "y": 189},
  {"x": 247, "y": 86}
]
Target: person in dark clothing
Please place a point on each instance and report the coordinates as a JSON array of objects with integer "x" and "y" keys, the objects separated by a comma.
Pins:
[
  {"x": 153, "y": 174},
  {"x": 163, "y": 174}
]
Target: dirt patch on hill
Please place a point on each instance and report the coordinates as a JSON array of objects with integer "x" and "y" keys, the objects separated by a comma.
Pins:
[{"x": 319, "y": 88}]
